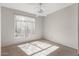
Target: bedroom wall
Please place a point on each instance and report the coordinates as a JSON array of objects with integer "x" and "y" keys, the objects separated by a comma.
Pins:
[
  {"x": 78, "y": 28},
  {"x": 7, "y": 27},
  {"x": 0, "y": 29},
  {"x": 62, "y": 26}
]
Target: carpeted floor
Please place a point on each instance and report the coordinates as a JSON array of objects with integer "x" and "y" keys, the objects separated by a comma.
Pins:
[{"x": 14, "y": 50}]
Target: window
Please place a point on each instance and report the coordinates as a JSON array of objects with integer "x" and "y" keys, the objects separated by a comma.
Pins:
[{"x": 24, "y": 26}]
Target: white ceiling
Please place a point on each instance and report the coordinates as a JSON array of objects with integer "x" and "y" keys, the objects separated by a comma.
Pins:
[{"x": 32, "y": 7}]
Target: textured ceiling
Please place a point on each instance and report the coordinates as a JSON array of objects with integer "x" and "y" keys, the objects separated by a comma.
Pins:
[{"x": 32, "y": 7}]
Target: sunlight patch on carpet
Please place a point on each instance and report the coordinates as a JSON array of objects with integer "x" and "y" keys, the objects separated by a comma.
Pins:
[
  {"x": 38, "y": 48},
  {"x": 47, "y": 51},
  {"x": 42, "y": 45},
  {"x": 29, "y": 49}
]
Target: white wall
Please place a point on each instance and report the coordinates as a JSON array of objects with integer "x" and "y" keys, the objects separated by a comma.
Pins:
[
  {"x": 78, "y": 28},
  {"x": 0, "y": 30},
  {"x": 7, "y": 27},
  {"x": 62, "y": 26}
]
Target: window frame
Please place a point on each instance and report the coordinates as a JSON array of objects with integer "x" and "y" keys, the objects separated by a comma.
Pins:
[{"x": 15, "y": 22}]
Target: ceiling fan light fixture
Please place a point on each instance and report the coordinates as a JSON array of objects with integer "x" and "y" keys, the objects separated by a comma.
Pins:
[{"x": 41, "y": 10}]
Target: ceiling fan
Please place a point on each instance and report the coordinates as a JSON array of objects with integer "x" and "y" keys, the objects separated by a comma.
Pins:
[{"x": 41, "y": 10}]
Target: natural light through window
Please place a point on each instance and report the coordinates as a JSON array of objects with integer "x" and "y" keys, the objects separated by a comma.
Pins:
[
  {"x": 24, "y": 26},
  {"x": 38, "y": 48}
]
